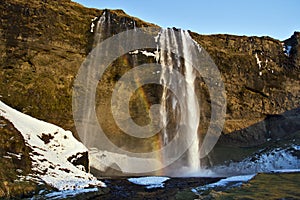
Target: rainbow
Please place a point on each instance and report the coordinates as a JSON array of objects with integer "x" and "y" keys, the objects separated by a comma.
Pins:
[
  {"x": 157, "y": 140},
  {"x": 157, "y": 144}
]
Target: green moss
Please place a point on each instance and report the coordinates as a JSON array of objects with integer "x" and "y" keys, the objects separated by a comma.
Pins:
[
  {"x": 266, "y": 186},
  {"x": 185, "y": 195},
  {"x": 13, "y": 169}
]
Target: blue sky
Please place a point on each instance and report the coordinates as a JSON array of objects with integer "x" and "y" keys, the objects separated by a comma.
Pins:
[{"x": 275, "y": 18}]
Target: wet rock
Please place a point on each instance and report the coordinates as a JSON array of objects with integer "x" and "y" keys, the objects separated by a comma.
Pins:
[{"x": 80, "y": 159}]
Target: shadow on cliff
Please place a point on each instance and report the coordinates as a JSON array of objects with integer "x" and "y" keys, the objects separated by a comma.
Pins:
[
  {"x": 273, "y": 127},
  {"x": 274, "y": 132}
]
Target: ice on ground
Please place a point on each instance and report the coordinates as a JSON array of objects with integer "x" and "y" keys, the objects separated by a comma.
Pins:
[
  {"x": 296, "y": 147},
  {"x": 150, "y": 181},
  {"x": 51, "y": 147},
  {"x": 286, "y": 171},
  {"x": 264, "y": 161},
  {"x": 68, "y": 194},
  {"x": 233, "y": 181},
  {"x": 224, "y": 182}
]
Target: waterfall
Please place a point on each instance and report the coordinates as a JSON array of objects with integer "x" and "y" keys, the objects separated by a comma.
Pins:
[
  {"x": 99, "y": 34},
  {"x": 186, "y": 118},
  {"x": 179, "y": 111},
  {"x": 98, "y": 37}
]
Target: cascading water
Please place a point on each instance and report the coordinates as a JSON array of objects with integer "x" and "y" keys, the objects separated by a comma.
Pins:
[
  {"x": 179, "y": 114},
  {"x": 99, "y": 29},
  {"x": 188, "y": 121},
  {"x": 98, "y": 37}
]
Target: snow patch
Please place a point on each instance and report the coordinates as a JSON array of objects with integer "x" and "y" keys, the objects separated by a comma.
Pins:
[
  {"x": 51, "y": 147},
  {"x": 286, "y": 171},
  {"x": 93, "y": 24},
  {"x": 258, "y": 61},
  {"x": 68, "y": 194},
  {"x": 150, "y": 181},
  {"x": 7, "y": 157},
  {"x": 287, "y": 49},
  {"x": 296, "y": 147},
  {"x": 264, "y": 161},
  {"x": 92, "y": 27},
  {"x": 148, "y": 54},
  {"x": 15, "y": 155},
  {"x": 233, "y": 181},
  {"x": 134, "y": 52},
  {"x": 156, "y": 72}
]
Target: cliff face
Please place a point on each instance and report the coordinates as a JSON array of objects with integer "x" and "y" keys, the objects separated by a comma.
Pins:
[
  {"x": 261, "y": 77},
  {"x": 43, "y": 43},
  {"x": 293, "y": 48}
]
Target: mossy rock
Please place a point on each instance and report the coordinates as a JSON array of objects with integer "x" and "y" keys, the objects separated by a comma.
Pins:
[
  {"x": 185, "y": 195},
  {"x": 15, "y": 163}
]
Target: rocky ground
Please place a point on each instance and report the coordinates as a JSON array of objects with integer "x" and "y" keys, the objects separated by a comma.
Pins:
[
  {"x": 175, "y": 188},
  {"x": 262, "y": 186}
]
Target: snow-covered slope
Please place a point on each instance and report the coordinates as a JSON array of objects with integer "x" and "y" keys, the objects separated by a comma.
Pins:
[
  {"x": 51, "y": 147},
  {"x": 267, "y": 160}
]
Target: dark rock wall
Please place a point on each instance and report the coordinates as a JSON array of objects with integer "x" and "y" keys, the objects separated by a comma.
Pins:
[{"x": 294, "y": 43}]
